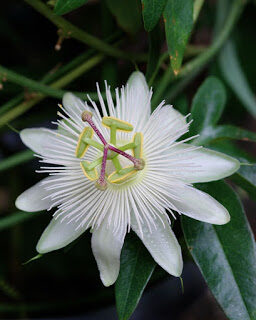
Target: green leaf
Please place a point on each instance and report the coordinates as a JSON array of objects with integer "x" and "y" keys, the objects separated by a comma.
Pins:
[
  {"x": 226, "y": 255},
  {"x": 233, "y": 132},
  {"x": 65, "y": 6},
  {"x": 178, "y": 18},
  {"x": 136, "y": 269},
  {"x": 154, "y": 51},
  {"x": 127, "y": 14},
  {"x": 224, "y": 132},
  {"x": 151, "y": 11},
  {"x": 245, "y": 177},
  {"x": 207, "y": 105},
  {"x": 235, "y": 77}
]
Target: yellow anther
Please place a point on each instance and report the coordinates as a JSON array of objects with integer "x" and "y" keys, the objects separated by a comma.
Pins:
[
  {"x": 138, "y": 141},
  {"x": 82, "y": 146},
  {"x": 121, "y": 175},
  {"x": 117, "y": 123},
  {"x": 91, "y": 174}
]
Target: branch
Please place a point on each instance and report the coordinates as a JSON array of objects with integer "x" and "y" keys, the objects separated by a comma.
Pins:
[{"x": 72, "y": 31}]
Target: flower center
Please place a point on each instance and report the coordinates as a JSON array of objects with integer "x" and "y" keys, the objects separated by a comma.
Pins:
[{"x": 119, "y": 173}]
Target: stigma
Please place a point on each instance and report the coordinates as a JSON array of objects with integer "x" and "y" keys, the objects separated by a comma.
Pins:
[{"x": 130, "y": 153}]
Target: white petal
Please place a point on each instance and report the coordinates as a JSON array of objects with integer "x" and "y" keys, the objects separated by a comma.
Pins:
[
  {"x": 138, "y": 82},
  {"x": 208, "y": 165},
  {"x": 162, "y": 245},
  {"x": 33, "y": 198},
  {"x": 174, "y": 115},
  {"x": 137, "y": 107},
  {"x": 106, "y": 247},
  {"x": 200, "y": 206},
  {"x": 58, "y": 234},
  {"x": 36, "y": 138},
  {"x": 165, "y": 125},
  {"x": 73, "y": 104}
]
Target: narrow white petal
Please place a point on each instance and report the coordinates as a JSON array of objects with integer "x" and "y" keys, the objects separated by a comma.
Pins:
[
  {"x": 175, "y": 115},
  {"x": 36, "y": 138},
  {"x": 33, "y": 198},
  {"x": 106, "y": 247},
  {"x": 208, "y": 165},
  {"x": 73, "y": 104},
  {"x": 200, "y": 206},
  {"x": 138, "y": 82},
  {"x": 136, "y": 101},
  {"x": 164, "y": 127},
  {"x": 58, "y": 234},
  {"x": 162, "y": 245}
]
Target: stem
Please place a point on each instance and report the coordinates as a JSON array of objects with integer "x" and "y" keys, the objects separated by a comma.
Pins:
[
  {"x": 16, "y": 218},
  {"x": 56, "y": 73},
  {"x": 204, "y": 57},
  {"x": 24, "y": 106},
  {"x": 74, "y": 32},
  {"x": 16, "y": 159},
  {"x": 38, "y": 86}
]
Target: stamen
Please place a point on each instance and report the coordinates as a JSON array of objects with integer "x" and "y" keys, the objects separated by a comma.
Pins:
[
  {"x": 115, "y": 124},
  {"x": 101, "y": 183},
  {"x": 110, "y": 152},
  {"x": 87, "y": 117}
]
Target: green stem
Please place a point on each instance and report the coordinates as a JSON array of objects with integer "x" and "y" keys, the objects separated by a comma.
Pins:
[
  {"x": 38, "y": 86},
  {"x": 72, "y": 75},
  {"x": 16, "y": 159},
  {"x": 56, "y": 73},
  {"x": 72, "y": 31},
  {"x": 16, "y": 218},
  {"x": 29, "y": 83},
  {"x": 204, "y": 57}
]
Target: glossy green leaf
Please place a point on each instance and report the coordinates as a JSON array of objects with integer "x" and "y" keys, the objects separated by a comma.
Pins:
[
  {"x": 245, "y": 177},
  {"x": 127, "y": 14},
  {"x": 65, "y": 6},
  {"x": 154, "y": 51},
  {"x": 224, "y": 132},
  {"x": 151, "y": 11},
  {"x": 178, "y": 18},
  {"x": 136, "y": 269},
  {"x": 207, "y": 106},
  {"x": 235, "y": 77},
  {"x": 233, "y": 132},
  {"x": 226, "y": 255}
]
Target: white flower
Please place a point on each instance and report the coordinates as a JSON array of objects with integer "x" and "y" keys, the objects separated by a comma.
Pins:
[{"x": 109, "y": 191}]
